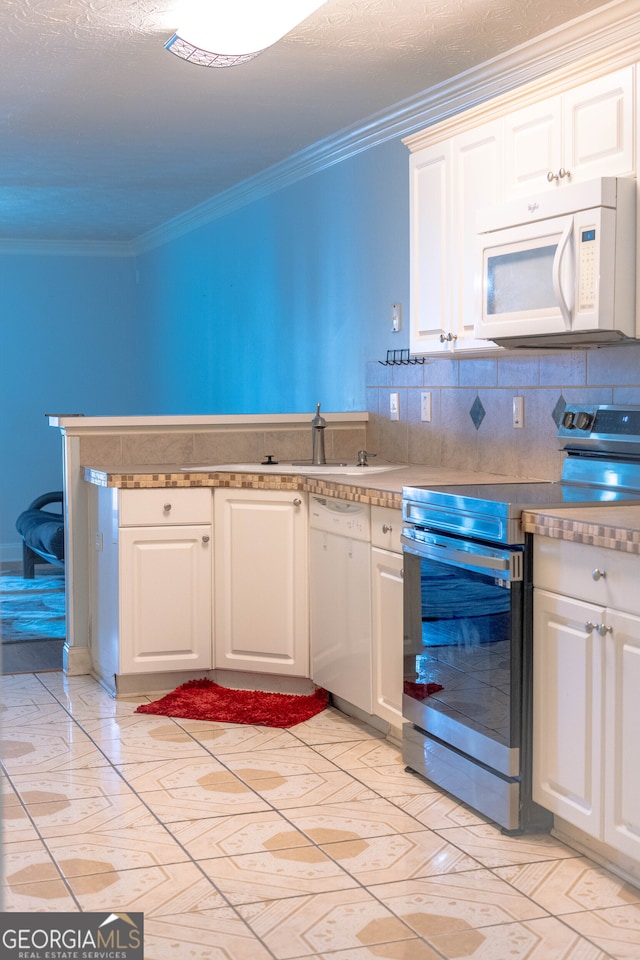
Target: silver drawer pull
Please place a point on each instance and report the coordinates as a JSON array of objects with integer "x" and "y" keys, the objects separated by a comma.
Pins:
[
  {"x": 297, "y": 502},
  {"x": 386, "y": 528},
  {"x": 589, "y": 627},
  {"x": 205, "y": 538},
  {"x": 603, "y": 629},
  {"x": 598, "y": 574},
  {"x": 167, "y": 507}
]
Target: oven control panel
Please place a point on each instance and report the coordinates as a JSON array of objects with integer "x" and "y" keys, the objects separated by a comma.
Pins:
[{"x": 604, "y": 427}]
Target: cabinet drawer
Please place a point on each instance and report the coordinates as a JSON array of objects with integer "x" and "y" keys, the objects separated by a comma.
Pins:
[
  {"x": 166, "y": 505},
  {"x": 587, "y": 573},
  {"x": 386, "y": 527}
]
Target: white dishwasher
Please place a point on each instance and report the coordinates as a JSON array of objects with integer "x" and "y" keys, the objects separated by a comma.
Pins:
[{"x": 340, "y": 598}]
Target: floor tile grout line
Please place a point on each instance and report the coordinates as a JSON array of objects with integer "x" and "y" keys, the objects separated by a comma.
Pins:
[
  {"x": 166, "y": 827},
  {"x": 274, "y": 809},
  {"x": 283, "y": 813},
  {"x": 137, "y": 795},
  {"x": 40, "y": 838}
]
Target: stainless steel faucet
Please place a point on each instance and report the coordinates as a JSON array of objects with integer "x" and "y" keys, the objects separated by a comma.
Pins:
[
  {"x": 318, "y": 425},
  {"x": 362, "y": 458}
]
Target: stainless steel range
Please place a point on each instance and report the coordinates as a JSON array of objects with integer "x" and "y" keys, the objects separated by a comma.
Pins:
[{"x": 468, "y": 614}]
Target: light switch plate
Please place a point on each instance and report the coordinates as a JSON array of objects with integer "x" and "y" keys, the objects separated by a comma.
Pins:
[
  {"x": 394, "y": 406},
  {"x": 425, "y": 406}
]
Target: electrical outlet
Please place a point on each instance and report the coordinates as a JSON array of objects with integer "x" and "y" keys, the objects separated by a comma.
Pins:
[
  {"x": 518, "y": 413},
  {"x": 425, "y": 406},
  {"x": 394, "y": 406}
]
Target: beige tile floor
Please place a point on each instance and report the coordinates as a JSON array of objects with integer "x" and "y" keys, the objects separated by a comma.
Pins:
[{"x": 249, "y": 843}]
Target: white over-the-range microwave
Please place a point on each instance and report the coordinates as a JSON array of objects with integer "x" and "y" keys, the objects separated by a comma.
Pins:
[{"x": 559, "y": 269}]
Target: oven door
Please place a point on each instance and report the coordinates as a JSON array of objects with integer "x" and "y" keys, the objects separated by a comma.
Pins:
[{"x": 463, "y": 645}]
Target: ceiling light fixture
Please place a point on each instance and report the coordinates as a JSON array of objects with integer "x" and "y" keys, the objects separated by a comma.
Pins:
[{"x": 223, "y": 33}]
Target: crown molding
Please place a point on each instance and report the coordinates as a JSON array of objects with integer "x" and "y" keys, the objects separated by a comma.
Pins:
[
  {"x": 588, "y": 46},
  {"x": 62, "y": 248}
]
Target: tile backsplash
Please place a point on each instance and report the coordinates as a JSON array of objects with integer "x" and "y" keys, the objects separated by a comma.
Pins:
[
  {"x": 219, "y": 444},
  {"x": 472, "y": 406}
]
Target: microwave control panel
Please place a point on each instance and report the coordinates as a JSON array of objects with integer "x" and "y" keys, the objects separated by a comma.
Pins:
[{"x": 587, "y": 269}]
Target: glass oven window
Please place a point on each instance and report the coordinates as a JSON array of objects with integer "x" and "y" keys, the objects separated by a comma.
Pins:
[{"x": 462, "y": 645}]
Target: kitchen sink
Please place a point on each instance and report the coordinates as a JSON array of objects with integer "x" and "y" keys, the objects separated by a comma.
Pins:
[{"x": 305, "y": 469}]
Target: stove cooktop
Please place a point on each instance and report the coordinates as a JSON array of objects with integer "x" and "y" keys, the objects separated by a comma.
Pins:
[{"x": 513, "y": 498}]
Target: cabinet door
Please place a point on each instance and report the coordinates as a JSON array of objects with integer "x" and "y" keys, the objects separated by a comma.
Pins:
[
  {"x": 386, "y": 623},
  {"x": 532, "y": 147},
  {"x": 598, "y": 127},
  {"x": 622, "y": 723},
  {"x": 261, "y": 619},
  {"x": 165, "y": 598},
  {"x": 429, "y": 172},
  {"x": 567, "y": 710},
  {"x": 587, "y": 132},
  {"x": 477, "y": 182}
]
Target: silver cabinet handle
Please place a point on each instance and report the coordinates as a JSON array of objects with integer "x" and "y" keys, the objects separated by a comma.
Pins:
[
  {"x": 598, "y": 574},
  {"x": 449, "y": 337},
  {"x": 297, "y": 502},
  {"x": 205, "y": 538},
  {"x": 387, "y": 528},
  {"x": 589, "y": 627},
  {"x": 167, "y": 507},
  {"x": 560, "y": 175},
  {"x": 603, "y": 629}
]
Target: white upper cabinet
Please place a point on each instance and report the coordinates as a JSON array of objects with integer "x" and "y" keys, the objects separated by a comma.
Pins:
[
  {"x": 583, "y": 134},
  {"x": 532, "y": 147},
  {"x": 430, "y": 174},
  {"x": 449, "y": 182},
  {"x": 477, "y": 182}
]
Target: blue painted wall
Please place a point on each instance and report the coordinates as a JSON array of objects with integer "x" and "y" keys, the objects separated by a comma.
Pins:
[
  {"x": 70, "y": 344},
  {"x": 266, "y": 310},
  {"x": 281, "y": 303}
]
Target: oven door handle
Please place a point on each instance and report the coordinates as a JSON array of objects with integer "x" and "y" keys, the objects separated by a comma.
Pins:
[{"x": 505, "y": 562}]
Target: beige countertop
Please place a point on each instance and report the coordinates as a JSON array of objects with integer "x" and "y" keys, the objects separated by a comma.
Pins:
[
  {"x": 379, "y": 489},
  {"x": 613, "y": 527}
]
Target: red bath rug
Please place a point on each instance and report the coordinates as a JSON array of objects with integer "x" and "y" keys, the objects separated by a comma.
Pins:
[{"x": 205, "y": 700}]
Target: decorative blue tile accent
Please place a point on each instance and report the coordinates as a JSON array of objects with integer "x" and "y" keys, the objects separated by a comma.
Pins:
[
  {"x": 477, "y": 412},
  {"x": 558, "y": 410}
]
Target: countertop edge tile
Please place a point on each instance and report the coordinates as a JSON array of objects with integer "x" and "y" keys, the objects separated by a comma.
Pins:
[{"x": 611, "y": 527}]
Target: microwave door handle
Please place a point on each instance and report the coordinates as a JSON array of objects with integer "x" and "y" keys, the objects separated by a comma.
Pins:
[{"x": 565, "y": 310}]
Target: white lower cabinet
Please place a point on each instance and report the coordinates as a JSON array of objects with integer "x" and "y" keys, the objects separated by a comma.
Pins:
[
  {"x": 159, "y": 590},
  {"x": 261, "y": 610},
  {"x": 152, "y": 608},
  {"x": 587, "y": 691},
  {"x": 622, "y": 761},
  {"x": 165, "y": 597},
  {"x": 387, "y": 614},
  {"x": 568, "y": 690}
]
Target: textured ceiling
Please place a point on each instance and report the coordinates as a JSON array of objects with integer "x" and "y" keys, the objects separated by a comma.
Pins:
[{"x": 104, "y": 135}]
